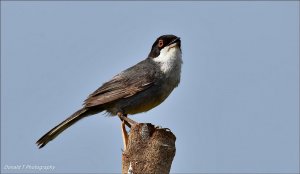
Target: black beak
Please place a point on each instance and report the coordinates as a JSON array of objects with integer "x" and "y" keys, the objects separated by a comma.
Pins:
[{"x": 177, "y": 40}]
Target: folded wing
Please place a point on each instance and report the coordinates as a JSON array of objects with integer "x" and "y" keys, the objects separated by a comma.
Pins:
[{"x": 128, "y": 83}]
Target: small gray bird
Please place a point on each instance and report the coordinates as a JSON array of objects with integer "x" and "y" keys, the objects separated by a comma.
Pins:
[{"x": 135, "y": 90}]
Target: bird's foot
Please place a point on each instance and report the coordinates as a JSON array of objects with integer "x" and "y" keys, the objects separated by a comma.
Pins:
[{"x": 160, "y": 127}]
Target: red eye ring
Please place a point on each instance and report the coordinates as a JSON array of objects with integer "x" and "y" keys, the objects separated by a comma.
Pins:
[{"x": 160, "y": 43}]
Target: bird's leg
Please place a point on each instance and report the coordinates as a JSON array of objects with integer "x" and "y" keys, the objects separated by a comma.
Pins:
[
  {"x": 124, "y": 135},
  {"x": 128, "y": 122},
  {"x": 121, "y": 116},
  {"x": 123, "y": 129}
]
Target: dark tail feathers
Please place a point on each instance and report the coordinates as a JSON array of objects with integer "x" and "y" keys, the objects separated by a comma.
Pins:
[{"x": 62, "y": 126}]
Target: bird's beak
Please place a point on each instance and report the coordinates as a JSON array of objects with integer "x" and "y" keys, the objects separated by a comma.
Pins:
[
  {"x": 177, "y": 40},
  {"x": 174, "y": 43}
]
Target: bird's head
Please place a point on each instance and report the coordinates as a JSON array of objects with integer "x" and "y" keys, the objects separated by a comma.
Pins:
[{"x": 164, "y": 44}]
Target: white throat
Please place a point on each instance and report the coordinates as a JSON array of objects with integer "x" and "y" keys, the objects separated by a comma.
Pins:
[{"x": 170, "y": 61}]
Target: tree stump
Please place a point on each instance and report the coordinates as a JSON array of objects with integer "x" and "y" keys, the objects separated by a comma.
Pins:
[{"x": 149, "y": 150}]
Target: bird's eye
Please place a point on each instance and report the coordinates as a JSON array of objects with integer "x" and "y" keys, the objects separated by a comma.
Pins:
[{"x": 160, "y": 43}]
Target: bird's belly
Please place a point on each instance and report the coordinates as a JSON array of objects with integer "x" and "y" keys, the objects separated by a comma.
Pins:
[
  {"x": 145, "y": 106},
  {"x": 142, "y": 102},
  {"x": 145, "y": 103}
]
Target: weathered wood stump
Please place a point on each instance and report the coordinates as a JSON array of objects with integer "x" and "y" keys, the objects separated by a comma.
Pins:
[{"x": 149, "y": 150}]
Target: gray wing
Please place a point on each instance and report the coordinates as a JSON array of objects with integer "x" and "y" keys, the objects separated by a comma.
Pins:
[{"x": 127, "y": 83}]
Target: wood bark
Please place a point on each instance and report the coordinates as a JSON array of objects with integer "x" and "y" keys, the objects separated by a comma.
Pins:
[{"x": 149, "y": 150}]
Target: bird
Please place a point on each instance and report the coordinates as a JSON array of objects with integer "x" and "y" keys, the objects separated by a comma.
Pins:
[{"x": 135, "y": 90}]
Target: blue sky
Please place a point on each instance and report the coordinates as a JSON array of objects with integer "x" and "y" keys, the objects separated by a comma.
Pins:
[{"x": 236, "y": 109}]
